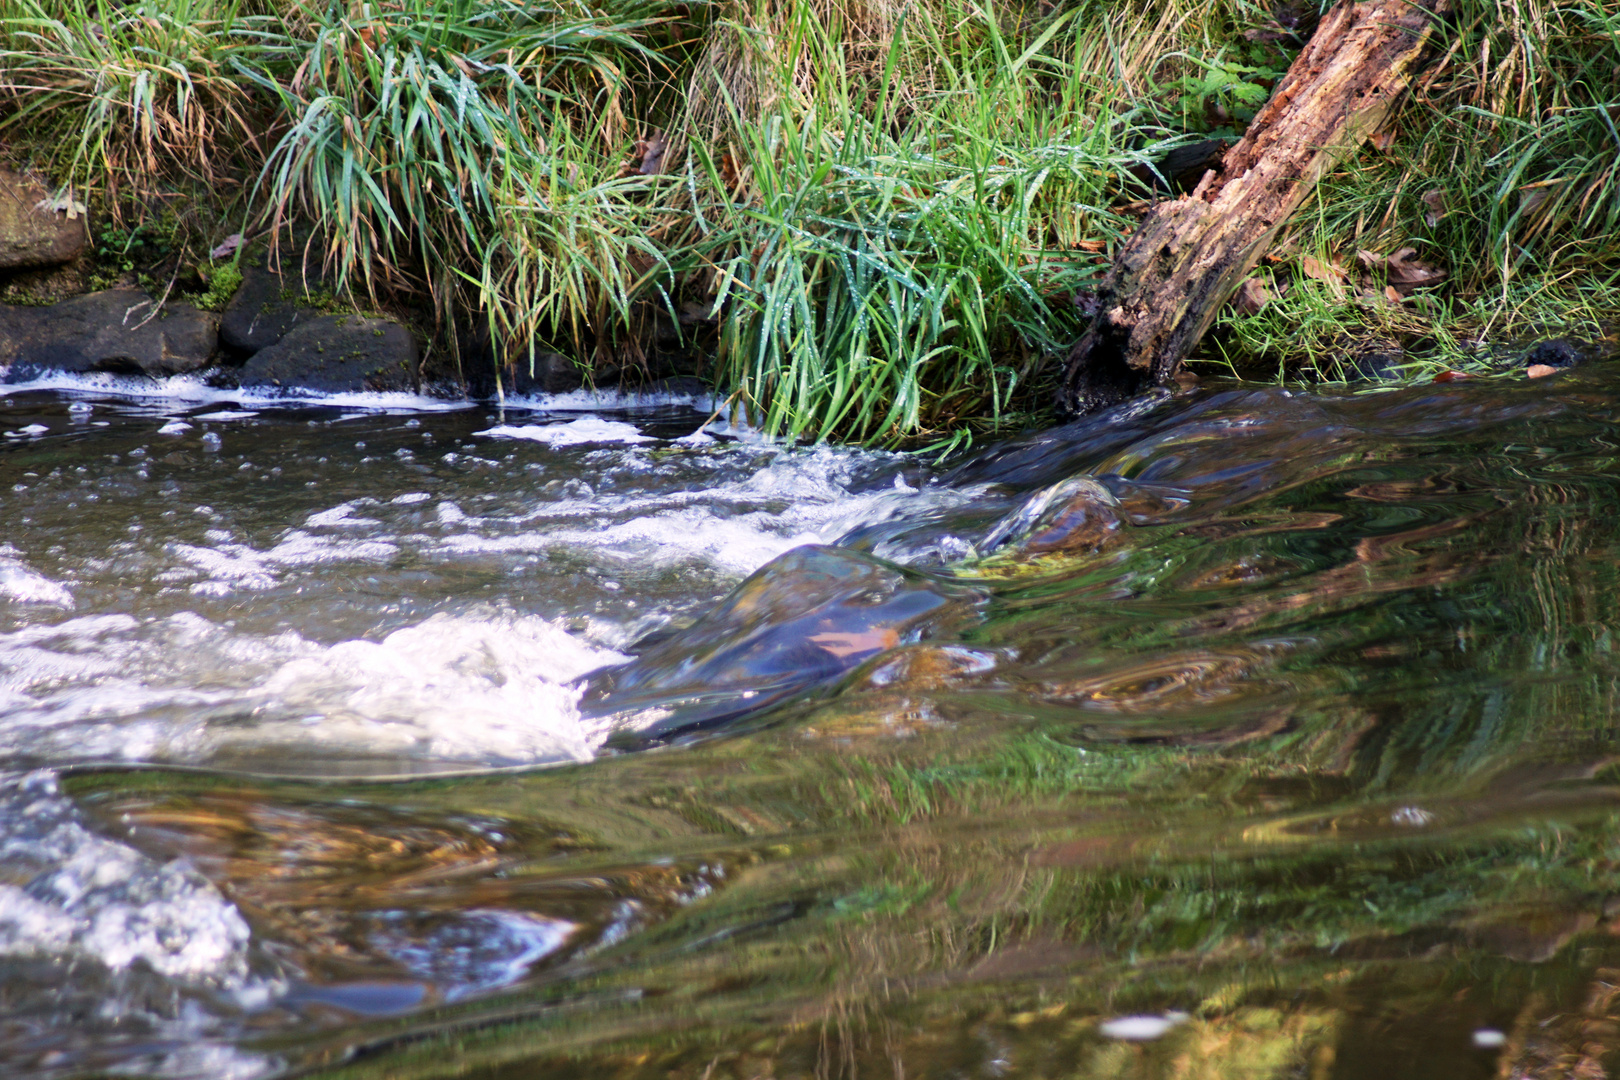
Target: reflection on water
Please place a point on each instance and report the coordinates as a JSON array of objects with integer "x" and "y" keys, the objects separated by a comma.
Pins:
[{"x": 1244, "y": 732}]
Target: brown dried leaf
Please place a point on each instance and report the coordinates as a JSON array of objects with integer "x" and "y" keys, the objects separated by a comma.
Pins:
[
  {"x": 1407, "y": 273},
  {"x": 1402, "y": 270},
  {"x": 651, "y": 151},
  {"x": 1383, "y": 139},
  {"x": 228, "y": 248},
  {"x": 1318, "y": 270},
  {"x": 1251, "y": 296},
  {"x": 647, "y": 157},
  {"x": 1452, "y": 376},
  {"x": 1533, "y": 196},
  {"x": 857, "y": 643},
  {"x": 1434, "y": 202},
  {"x": 1540, "y": 371}
]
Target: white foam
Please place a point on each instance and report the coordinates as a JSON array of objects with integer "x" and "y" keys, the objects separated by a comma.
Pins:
[
  {"x": 24, "y": 584},
  {"x": 99, "y": 900},
  {"x": 229, "y": 567},
  {"x": 1137, "y": 1028},
  {"x": 174, "y": 427},
  {"x": 452, "y": 687},
  {"x": 609, "y": 400},
  {"x": 483, "y": 949},
  {"x": 482, "y": 687},
  {"x": 341, "y": 515},
  {"x": 204, "y": 1061},
  {"x": 736, "y": 525},
  {"x": 193, "y": 390},
  {"x": 587, "y": 429}
]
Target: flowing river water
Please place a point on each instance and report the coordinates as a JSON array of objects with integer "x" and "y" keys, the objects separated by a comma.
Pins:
[{"x": 1241, "y": 732}]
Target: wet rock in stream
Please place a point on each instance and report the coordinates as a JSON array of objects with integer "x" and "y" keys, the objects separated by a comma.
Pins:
[
  {"x": 336, "y": 353},
  {"x": 1072, "y": 516},
  {"x": 118, "y": 331},
  {"x": 801, "y": 621},
  {"x": 261, "y": 313}
]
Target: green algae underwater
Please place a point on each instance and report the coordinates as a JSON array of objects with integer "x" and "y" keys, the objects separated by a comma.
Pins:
[{"x": 1239, "y": 732}]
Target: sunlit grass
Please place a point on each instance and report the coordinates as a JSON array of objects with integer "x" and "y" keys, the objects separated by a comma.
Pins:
[{"x": 887, "y": 207}]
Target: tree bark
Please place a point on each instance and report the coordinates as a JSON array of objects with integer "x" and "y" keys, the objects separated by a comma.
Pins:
[{"x": 1189, "y": 254}]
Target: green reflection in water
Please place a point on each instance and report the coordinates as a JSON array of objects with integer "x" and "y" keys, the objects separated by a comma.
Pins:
[{"x": 1310, "y": 753}]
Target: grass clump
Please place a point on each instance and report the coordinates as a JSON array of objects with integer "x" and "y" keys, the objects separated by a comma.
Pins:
[{"x": 883, "y": 209}]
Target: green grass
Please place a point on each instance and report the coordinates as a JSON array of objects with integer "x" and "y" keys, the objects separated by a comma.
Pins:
[{"x": 886, "y": 206}]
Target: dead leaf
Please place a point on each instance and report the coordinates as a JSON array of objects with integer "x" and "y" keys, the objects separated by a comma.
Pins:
[
  {"x": 1392, "y": 295},
  {"x": 1383, "y": 139},
  {"x": 1540, "y": 371},
  {"x": 844, "y": 645},
  {"x": 1452, "y": 376},
  {"x": 1329, "y": 274},
  {"x": 1402, "y": 270},
  {"x": 1318, "y": 270},
  {"x": 1251, "y": 296},
  {"x": 1407, "y": 273},
  {"x": 652, "y": 153},
  {"x": 228, "y": 248},
  {"x": 1533, "y": 196},
  {"x": 647, "y": 156},
  {"x": 62, "y": 203},
  {"x": 1434, "y": 203}
]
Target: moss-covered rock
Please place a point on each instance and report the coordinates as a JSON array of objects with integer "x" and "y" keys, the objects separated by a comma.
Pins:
[
  {"x": 338, "y": 353},
  {"x": 117, "y": 330}
]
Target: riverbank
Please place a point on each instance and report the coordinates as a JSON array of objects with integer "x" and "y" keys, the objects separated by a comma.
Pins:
[{"x": 865, "y": 221}]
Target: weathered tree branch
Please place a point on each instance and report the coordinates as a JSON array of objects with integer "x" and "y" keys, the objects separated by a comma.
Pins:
[{"x": 1189, "y": 254}]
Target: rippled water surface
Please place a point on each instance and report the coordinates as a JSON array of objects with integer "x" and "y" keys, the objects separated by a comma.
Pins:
[{"x": 1245, "y": 732}]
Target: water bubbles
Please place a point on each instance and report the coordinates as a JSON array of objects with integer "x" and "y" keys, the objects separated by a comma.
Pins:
[
  {"x": 1489, "y": 1038},
  {"x": 1143, "y": 1028},
  {"x": 1414, "y": 817},
  {"x": 212, "y": 442}
]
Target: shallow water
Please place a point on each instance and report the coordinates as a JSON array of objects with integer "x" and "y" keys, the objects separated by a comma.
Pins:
[{"x": 1241, "y": 732}]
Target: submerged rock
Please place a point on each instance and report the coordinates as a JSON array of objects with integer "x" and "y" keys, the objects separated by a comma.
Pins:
[
  {"x": 1554, "y": 353},
  {"x": 113, "y": 331},
  {"x": 1072, "y": 516},
  {"x": 334, "y": 353},
  {"x": 800, "y": 621},
  {"x": 35, "y": 232}
]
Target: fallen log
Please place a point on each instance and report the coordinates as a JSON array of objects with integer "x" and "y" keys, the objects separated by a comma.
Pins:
[{"x": 1189, "y": 254}]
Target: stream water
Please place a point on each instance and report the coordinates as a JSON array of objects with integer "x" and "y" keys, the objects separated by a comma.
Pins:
[{"x": 1240, "y": 732}]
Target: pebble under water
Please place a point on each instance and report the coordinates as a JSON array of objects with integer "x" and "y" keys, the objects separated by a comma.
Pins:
[{"x": 1238, "y": 732}]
